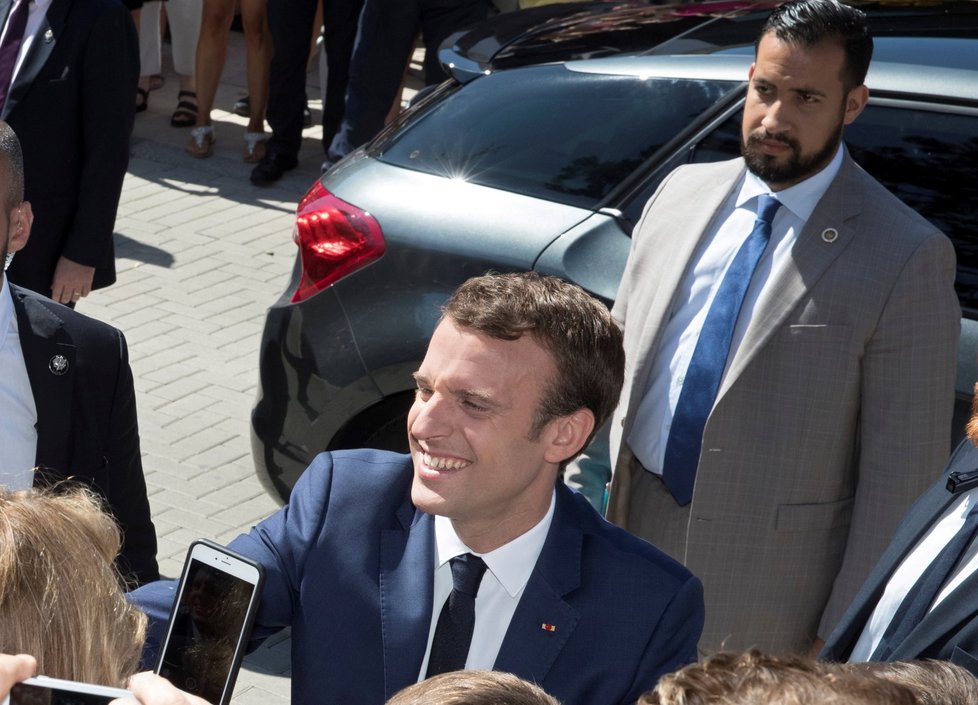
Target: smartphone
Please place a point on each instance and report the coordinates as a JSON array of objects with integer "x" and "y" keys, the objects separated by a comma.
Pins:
[
  {"x": 54, "y": 691},
  {"x": 210, "y": 621}
]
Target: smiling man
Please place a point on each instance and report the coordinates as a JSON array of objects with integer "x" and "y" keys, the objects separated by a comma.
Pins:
[
  {"x": 790, "y": 331},
  {"x": 469, "y": 553}
]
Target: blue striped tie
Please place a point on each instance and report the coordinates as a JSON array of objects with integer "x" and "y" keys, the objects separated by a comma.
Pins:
[{"x": 710, "y": 357}]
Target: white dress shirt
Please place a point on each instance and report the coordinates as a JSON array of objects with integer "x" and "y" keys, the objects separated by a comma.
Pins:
[
  {"x": 913, "y": 567},
  {"x": 509, "y": 569},
  {"x": 731, "y": 227},
  {"x": 18, "y": 419}
]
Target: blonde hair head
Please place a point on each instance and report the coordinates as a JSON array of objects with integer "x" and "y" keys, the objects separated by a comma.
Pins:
[{"x": 61, "y": 597}]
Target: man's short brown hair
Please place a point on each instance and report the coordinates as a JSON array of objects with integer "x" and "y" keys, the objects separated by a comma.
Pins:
[
  {"x": 577, "y": 330},
  {"x": 473, "y": 688},
  {"x": 755, "y": 678}
]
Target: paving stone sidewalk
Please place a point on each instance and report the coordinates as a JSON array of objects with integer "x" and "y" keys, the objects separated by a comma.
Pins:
[{"x": 201, "y": 254}]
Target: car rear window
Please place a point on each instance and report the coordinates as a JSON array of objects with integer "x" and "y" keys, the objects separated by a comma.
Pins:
[{"x": 550, "y": 133}]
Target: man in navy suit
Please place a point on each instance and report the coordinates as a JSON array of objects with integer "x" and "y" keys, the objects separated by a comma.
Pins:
[
  {"x": 948, "y": 628},
  {"x": 519, "y": 372},
  {"x": 71, "y": 103}
]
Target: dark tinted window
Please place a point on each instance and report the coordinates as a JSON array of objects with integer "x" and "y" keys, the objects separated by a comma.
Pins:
[
  {"x": 549, "y": 133},
  {"x": 927, "y": 158}
]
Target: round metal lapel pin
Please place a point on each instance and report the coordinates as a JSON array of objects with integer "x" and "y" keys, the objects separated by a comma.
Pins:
[
  {"x": 830, "y": 235},
  {"x": 58, "y": 365}
]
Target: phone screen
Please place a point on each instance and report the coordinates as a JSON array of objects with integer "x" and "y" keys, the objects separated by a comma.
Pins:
[{"x": 207, "y": 628}]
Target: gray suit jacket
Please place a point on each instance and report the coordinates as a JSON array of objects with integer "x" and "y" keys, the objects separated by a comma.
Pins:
[{"x": 833, "y": 415}]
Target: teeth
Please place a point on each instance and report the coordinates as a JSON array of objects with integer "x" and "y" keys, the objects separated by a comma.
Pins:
[{"x": 443, "y": 463}]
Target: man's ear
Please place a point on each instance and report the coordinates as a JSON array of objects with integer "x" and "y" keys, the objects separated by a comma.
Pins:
[
  {"x": 21, "y": 219},
  {"x": 568, "y": 434},
  {"x": 855, "y": 103}
]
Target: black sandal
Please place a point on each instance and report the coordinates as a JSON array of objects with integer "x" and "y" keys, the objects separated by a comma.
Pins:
[
  {"x": 186, "y": 113},
  {"x": 142, "y": 99}
]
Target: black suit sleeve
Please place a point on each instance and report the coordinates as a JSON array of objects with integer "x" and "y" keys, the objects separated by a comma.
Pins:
[
  {"x": 109, "y": 73},
  {"x": 125, "y": 485}
]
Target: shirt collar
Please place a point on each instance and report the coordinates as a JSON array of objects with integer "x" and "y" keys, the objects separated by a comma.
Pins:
[
  {"x": 801, "y": 198},
  {"x": 511, "y": 564},
  {"x": 8, "y": 321}
]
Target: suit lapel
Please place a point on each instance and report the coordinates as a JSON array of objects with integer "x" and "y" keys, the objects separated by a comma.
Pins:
[
  {"x": 912, "y": 528},
  {"x": 678, "y": 240},
  {"x": 49, "y": 355},
  {"x": 810, "y": 257},
  {"x": 406, "y": 593},
  {"x": 544, "y": 621},
  {"x": 957, "y": 607},
  {"x": 953, "y": 610},
  {"x": 41, "y": 48}
]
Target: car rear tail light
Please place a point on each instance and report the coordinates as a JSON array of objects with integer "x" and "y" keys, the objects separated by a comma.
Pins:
[{"x": 334, "y": 238}]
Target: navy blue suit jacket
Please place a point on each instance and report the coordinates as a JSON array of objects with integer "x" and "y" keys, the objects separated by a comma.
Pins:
[
  {"x": 949, "y": 632},
  {"x": 350, "y": 566}
]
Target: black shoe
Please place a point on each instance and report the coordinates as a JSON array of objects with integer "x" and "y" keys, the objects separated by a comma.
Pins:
[
  {"x": 306, "y": 117},
  {"x": 242, "y": 107},
  {"x": 271, "y": 168}
]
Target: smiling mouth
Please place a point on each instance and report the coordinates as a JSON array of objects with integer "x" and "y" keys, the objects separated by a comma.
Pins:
[{"x": 442, "y": 464}]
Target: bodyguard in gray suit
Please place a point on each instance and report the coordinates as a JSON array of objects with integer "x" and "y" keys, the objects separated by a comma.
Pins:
[{"x": 790, "y": 332}]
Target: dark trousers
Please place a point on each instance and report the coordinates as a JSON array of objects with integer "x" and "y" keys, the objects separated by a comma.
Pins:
[
  {"x": 290, "y": 23},
  {"x": 384, "y": 41}
]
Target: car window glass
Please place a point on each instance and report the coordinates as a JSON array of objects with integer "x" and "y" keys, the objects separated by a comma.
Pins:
[
  {"x": 924, "y": 156},
  {"x": 551, "y": 133}
]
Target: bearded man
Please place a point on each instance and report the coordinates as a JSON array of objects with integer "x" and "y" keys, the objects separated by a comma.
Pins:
[{"x": 790, "y": 334}]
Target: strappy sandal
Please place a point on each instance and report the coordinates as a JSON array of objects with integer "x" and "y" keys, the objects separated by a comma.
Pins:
[
  {"x": 142, "y": 100},
  {"x": 186, "y": 113},
  {"x": 254, "y": 146},
  {"x": 201, "y": 142}
]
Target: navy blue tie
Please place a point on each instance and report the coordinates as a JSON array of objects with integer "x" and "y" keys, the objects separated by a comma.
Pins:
[
  {"x": 453, "y": 633},
  {"x": 710, "y": 357},
  {"x": 919, "y": 598}
]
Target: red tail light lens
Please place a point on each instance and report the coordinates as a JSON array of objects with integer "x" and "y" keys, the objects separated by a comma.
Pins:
[{"x": 334, "y": 239}]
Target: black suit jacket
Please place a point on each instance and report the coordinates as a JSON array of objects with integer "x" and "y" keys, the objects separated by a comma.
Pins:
[
  {"x": 72, "y": 106},
  {"x": 86, "y": 417},
  {"x": 948, "y": 632}
]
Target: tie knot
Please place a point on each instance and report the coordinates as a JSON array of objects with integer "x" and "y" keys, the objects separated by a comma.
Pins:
[
  {"x": 467, "y": 572},
  {"x": 767, "y": 206}
]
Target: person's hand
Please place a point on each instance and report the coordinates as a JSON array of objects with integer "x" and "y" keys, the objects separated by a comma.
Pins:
[
  {"x": 71, "y": 281},
  {"x": 14, "y": 669},
  {"x": 151, "y": 689}
]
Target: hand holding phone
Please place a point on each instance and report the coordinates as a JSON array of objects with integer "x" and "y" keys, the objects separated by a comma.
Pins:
[{"x": 210, "y": 621}]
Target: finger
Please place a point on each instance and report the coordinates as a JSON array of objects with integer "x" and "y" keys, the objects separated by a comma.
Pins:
[
  {"x": 151, "y": 689},
  {"x": 14, "y": 669}
]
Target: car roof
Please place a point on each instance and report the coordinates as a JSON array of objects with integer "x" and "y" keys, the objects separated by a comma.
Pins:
[
  {"x": 885, "y": 77},
  {"x": 603, "y": 28}
]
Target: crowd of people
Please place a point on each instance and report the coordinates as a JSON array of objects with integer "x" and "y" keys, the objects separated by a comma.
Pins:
[
  {"x": 367, "y": 46},
  {"x": 766, "y": 400}
]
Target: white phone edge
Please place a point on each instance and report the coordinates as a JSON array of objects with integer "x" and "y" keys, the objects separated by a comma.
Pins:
[
  {"x": 214, "y": 554},
  {"x": 73, "y": 687}
]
